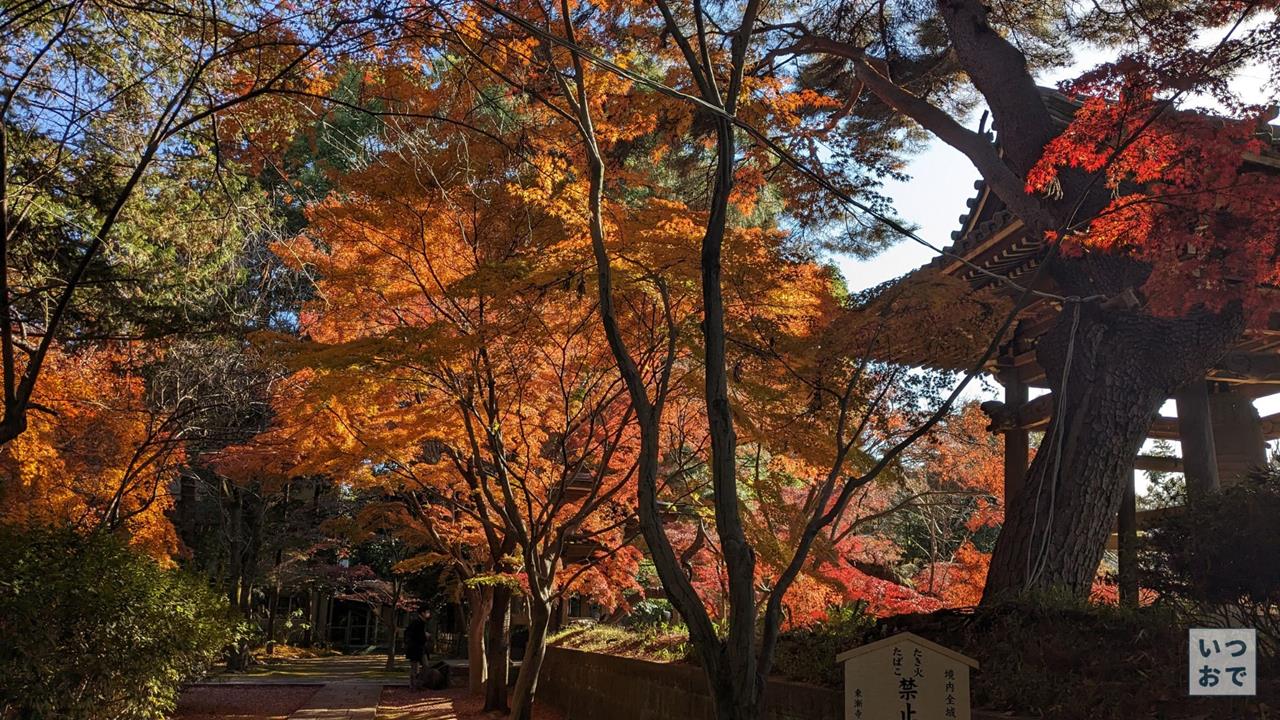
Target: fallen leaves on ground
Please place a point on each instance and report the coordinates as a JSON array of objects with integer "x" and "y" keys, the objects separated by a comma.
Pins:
[
  {"x": 240, "y": 702},
  {"x": 401, "y": 703}
]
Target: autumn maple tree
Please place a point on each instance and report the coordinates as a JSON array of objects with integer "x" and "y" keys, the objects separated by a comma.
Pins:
[
  {"x": 97, "y": 456},
  {"x": 558, "y": 294},
  {"x": 452, "y": 358},
  {"x": 777, "y": 356},
  {"x": 952, "y": 533}
]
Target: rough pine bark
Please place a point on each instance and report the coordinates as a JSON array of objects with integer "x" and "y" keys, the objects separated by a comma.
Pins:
[{"x": 1124, "y": 364}]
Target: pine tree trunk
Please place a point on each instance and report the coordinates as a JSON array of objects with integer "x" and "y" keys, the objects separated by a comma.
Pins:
[
  {"x": 497, "y": 650},
  {"x": 477, "y": 660},
  {"x": 1124, "y": 365}
]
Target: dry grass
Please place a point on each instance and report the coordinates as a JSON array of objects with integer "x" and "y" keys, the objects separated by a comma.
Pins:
[
  {"x": 659, "y": 643},
  {"x": 284, "y": 653}
]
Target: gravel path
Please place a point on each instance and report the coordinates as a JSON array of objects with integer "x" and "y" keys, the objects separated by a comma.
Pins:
[{"x": 341, "y": 688}]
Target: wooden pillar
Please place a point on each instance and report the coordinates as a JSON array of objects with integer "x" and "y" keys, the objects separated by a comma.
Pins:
[
  {"x": 1016, "y": 444},
  {"x": 1239, "y": 447},
  {"x": 1195, "y": 431},
  {"x": 325, "y": 614},
  {"x": 1127, "y": 546}
]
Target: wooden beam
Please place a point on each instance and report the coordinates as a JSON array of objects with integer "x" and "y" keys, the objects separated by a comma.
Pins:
[
  {"x": 1144, "y": 520},
  {"x": 992, "y": 241},
  {"x": 1157, "y": 463},
  {"x": 1164, "y": 428},
  {"x": 1238, "y": 367},
  {"x": 1028, "y": 370},
  {"x": 1249, "y": 366},
  {"x": 1034, "y": 414}
]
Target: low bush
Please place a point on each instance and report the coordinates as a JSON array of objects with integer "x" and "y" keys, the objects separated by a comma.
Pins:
[
  {"x": 1217, "y": 563},
  {"x": 93, "y": 629},
  {"x": 809, "y": 654}
]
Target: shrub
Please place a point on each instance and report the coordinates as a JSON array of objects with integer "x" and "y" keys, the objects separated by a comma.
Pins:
[
  {"x": 1044, "y": 656},
  {"x": 808, "y": 654},
  {"x": 1219, "y": 561},
  {"x": 94, "y": 629}
]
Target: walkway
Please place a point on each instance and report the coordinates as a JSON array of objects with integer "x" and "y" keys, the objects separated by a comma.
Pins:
[
  {"x": 342, "y": 700},
  {"x": 333, "y": 688},
  {"x": 369, "y": 668}
]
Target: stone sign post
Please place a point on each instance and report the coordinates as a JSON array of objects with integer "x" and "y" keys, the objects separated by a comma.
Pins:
[{"x": 905, "y": 677}]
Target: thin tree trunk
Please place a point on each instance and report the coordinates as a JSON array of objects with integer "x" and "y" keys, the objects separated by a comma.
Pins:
[
  {"x": 478, "y": 603},
  {"x": 1124, "y": 365},
  {"x": 535, "y": 651},
  {"x": 497, "y": 650},
  {"x": 390, "y": 621},
  {"x": 313, "y": 617},
  {"x": 235, "y": 547},
  {"x": 273, "y": 605}
]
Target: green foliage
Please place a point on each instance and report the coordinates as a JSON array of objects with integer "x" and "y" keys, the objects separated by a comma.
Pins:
[
  {"x": 650, "y": 612},
  {"x": 809, "y": 654},
  {"x": 1042, "y": 656},
  {"x": 1224, "y": 548},
  {"x": 93, "y": 629},
  {"x": 1221, "y": 558},
  {"x": 175, "y": 260},
  {"x": 1164, "y": 489}
]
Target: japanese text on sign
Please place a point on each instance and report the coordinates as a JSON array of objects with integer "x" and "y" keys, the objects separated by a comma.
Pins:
[{"x": 1222, "y": 661}]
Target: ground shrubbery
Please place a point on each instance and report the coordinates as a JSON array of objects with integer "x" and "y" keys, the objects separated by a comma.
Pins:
[
  {"x": 809, "y": 654},
  {"x": 94, "y": 629},
  {"x": 1065, "y": 659},
  {"x": 1218, "y": 563}
]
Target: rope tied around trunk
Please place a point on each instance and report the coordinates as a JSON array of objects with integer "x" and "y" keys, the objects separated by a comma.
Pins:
[{"x": 1075, "y": 301}]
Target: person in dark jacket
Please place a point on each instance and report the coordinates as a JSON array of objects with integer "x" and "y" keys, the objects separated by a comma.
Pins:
[{"x": 416, "y": 640}]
